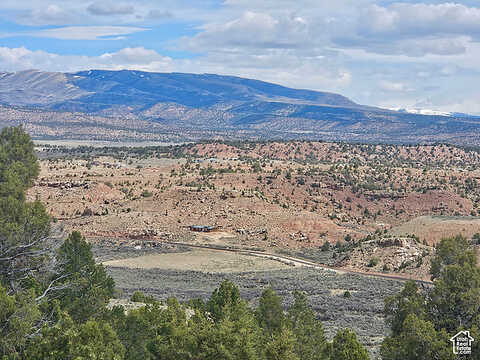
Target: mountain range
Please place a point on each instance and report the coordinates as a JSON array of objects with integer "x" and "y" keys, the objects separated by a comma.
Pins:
[{"x": 135, "y": 105}]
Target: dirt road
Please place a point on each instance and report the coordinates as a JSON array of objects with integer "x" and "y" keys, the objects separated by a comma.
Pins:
[{"x": 292, "y": 261}]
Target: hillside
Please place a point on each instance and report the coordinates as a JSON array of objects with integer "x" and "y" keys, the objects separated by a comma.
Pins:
[
  {"x": 394, "y": 201},
  {"x": 141, "y": 90},
  {"x": 134, "y": 105}
]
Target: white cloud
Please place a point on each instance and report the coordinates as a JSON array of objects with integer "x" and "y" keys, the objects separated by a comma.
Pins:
[
  {"x": 376, "y": 51},
  {"x": 394, "y": 86},
  {"x": 82, "y": 32},
  {"x": 413, "y": 29},
  {"x": 11, "y": 56},
  {"x": 469, "y": 104},
  {"x": 109, "y": 9},
  {"x": 137, "y": 58},
  {"x": 50, "y": 14},
  {"x": 21, "y": 59},
  {"x": 413, "y": 20},
  {"x": 99, "y": 12},
  {"x": 417, "y": 47},
  {"x": 253, "y": 30},
  {"x": 17, "y": 59},
  {"x": 159, "y": 14}
]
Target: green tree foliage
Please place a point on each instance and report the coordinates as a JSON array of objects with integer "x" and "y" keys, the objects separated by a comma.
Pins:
[
  {"x": 281, "y": 346},
  {"x": 422, "y": 322},
  {"x": 235, "y": 336},
  {"x": 17, "y": 155},
  {"x": 311, "y": 342},
  {"x": 153, "y": 332},
  {"x": 418, "y": 340},
  {"x": 87, "y": 287},
  {"x": 19, "y": 318},
  {"x": 173, "y": 332},
  {"x": 269, "y": 312},
  {"x": 172, "y": 338},
  {"x": 454, "y": 302},
  {"x": 24, "y": 227},
  {"x": 95, "y": 340},
  {"x": 451, "y": 251},
  {"x": 18, "y": 169},
  {"x": 234, "y": 332},
  {"x": 346, "y": 347},
  {"x": 135, "y": 330},
  {"x": 223, "y": 299},
  {"x": 138, "y": 296},
  {"x": 25, "y": 249},
  {"x": 398, "y": 307}
]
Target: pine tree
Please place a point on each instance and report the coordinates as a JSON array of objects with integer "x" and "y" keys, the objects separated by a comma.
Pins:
[
  {"x": 281, "y": 346},
  {"x": 67, "y": 340},
  {"x": 311, "y": 343},
  {"x": 227, "y": 296},
  {"x": 269, "y": 312},
  {"x": 25, "y": 249},
  {"x": 345, "y": 346},
  {"x": 87, "y": 287},
  {"x": 422, "y": 322},
  {"x": 19, "y": 318}
]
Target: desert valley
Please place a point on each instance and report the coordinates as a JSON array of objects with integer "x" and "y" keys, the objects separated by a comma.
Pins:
[{"x": 176, "y": 219}]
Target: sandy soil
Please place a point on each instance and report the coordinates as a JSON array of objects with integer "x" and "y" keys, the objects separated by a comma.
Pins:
[
  {"x": 200, "y": 260},
  {"x": 264, "y": 196},
  {"x": 433, "y": 228}
]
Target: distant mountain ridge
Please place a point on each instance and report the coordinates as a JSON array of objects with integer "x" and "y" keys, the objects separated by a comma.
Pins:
[
  {"x": 140, "y": 105},
  {"x": 103, "y": 88}
]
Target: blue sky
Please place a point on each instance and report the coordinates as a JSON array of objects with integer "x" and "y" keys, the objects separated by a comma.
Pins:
[{"x": 396, "y": 54}]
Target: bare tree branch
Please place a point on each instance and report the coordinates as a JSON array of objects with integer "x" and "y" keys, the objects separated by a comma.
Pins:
[
  {"x": 52, "y": 288},
  {"x": 27, "y": 253}
]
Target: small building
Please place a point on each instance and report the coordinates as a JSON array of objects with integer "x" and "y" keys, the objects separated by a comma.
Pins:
[{"x": 201, "y": 228}]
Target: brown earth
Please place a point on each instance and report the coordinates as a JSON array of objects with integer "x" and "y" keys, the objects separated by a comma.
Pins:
[
  {"x": 264, "y": 195},
  {"x": 431, "y": 228},
  {"x": 200, "y": 260}
]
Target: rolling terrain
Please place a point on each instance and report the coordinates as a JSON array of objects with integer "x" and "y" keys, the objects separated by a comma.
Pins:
[
  {"x": 380, "y": 208},
  {"x": 345, "y": 223}
]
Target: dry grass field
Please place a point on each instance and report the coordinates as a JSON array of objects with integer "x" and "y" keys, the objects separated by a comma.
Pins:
[
  {"x": 210, "y": 261},
  {"x": 433, "y": 228}
]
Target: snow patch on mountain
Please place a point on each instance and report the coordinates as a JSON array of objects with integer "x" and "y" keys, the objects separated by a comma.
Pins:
[{"x": 423, "y": 111}]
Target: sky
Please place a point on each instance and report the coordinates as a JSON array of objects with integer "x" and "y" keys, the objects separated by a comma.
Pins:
[{"x": 394, "y": 54}]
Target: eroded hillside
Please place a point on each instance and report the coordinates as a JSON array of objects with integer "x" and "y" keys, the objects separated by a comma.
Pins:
[{"x": 281, "y": 196}]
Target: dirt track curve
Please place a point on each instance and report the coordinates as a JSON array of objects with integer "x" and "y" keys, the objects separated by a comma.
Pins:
[{"x": 301, "y": 262}]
